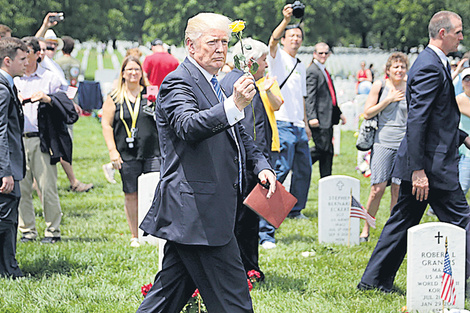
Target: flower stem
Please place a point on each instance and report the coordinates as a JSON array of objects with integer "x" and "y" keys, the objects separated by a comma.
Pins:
[
  {"x": 199, "y": 302},
  {"x": 254, "y": 121}
]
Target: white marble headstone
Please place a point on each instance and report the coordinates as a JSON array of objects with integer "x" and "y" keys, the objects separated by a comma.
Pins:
[
  {"x": 337, "y": 139},
  {"x": 147, "y": 183},
  {"x": 334, "y": 199},
  {"x": 425, "y": 264}
]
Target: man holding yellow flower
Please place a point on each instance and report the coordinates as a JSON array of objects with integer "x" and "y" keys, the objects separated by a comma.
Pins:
[{"x": 205, "y": 158}]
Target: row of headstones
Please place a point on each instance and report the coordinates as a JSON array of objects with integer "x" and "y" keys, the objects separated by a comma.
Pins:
[{"x": 425, "y": 261}]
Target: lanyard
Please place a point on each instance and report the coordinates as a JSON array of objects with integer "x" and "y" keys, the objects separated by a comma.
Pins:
[{"x": 133, "y": 112}]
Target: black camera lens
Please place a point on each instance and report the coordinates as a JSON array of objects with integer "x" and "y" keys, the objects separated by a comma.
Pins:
[{"x": 298, "y": 9}]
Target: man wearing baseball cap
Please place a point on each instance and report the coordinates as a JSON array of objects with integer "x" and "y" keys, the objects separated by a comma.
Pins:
[{"x": 159, "y": 64}]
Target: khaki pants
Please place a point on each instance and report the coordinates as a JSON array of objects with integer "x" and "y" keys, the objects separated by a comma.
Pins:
[{"x": 38, "y": 166}]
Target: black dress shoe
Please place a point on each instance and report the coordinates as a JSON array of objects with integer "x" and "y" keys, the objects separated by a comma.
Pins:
[
  {"x": 50, "y": 239},
  {"x": 363, "y": 286},
  {"x": 26, "y": 239}
]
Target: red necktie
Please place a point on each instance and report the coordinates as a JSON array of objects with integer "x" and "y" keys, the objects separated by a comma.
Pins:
[{"x": 330, "y": 86}]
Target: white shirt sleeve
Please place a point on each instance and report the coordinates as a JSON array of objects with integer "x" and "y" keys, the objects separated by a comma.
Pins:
[{"x": 231, "y": 111}]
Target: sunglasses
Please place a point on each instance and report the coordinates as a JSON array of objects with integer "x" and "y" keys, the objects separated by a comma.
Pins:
[
  {"x": 323, "y": 53},
  {"x": 466, "y": 78}
]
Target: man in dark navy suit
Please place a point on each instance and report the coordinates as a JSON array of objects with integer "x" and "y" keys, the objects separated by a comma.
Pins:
[
  {"x": 427, "y": 160},
  {"x": 205, "y": 155},
  {"x": 13, "y": 61}
]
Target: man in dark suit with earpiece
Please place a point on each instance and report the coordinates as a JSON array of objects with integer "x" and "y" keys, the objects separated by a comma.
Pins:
[
  {"x": 427, "y": 159},
  {"x": 13, "y": 58}
]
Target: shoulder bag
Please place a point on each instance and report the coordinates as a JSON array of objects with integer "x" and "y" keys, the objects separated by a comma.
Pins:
[{"x": 365, "y": 139}]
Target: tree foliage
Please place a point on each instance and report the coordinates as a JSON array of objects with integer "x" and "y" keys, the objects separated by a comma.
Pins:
[{"x": 391, "y": 24}]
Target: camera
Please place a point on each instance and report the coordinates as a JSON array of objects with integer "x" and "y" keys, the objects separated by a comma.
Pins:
[
  {"x": 298, "y": 9},
  {"x": 56, "y": 18}
]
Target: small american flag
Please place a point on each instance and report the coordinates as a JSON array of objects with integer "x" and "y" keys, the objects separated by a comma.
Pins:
[
  {"x": 448, "y": 289},
  {"x": 358, "y": 211}
]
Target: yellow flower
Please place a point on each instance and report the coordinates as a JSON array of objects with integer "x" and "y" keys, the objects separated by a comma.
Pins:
[{"x": 237, "y": 26}]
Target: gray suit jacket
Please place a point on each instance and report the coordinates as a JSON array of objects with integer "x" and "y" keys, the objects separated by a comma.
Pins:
[
  {"x": 318, "y": 103},
  {"x": 12, "y": 159}
]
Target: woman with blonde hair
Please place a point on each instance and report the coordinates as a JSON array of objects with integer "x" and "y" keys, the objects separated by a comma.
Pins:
[
  {"x": 130, "y": 133},
  {"x": 386, "y": 100}
]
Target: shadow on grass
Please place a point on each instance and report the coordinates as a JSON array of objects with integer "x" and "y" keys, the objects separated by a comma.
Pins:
[
  {"x": 374, "y": 291},
  {"x": 292, "y": 238},
  {"x": 66, "y": 189},
  {"x": 78, "y": 214},
  {"x": 83, "y": 239},
  {"x": 284, "y": 283},
  {"x": 46, "y": 266},
  {"x": 311, "y": 214},
  {"x": 398, "y": 291}
]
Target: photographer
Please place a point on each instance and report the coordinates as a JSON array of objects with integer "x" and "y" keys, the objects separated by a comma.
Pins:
[
  {"x": 291, "y": 118},
  {"x": 53, "y": 45},
  {"x": 50, "y": 20}
]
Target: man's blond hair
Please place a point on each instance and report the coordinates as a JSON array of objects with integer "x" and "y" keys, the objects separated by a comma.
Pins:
[{"x": 202, "y": 22}]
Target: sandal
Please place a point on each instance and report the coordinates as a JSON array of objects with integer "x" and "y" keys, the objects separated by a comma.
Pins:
[{"x": 81, "y": 187}]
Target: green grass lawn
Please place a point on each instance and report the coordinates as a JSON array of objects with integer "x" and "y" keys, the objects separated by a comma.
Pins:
[
  {"x": 119, "y": 55},
  {"x": 94, "y": 269},
  {"x": 107, "y": 63},
  {"x": 80, "y": 55},
  {"x": 92, "y": 65}
]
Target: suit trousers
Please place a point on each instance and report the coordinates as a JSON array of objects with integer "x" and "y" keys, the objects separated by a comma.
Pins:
[
  {"x": 323, "y": 149},
  {"x": 246, "y": 233},
  {"x": 38, "y": 165},
  {"x": 8, "y": 232},
  {"x": 449, "y": 206},
  {"x": 217, "y": 272}
]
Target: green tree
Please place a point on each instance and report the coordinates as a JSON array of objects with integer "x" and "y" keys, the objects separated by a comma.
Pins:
[
  {"x": 463, "y": 9},
  {"x": 354, "y": 16},
  {"x": 167, "y": 19},
  {"x": 402, "y": 24}
]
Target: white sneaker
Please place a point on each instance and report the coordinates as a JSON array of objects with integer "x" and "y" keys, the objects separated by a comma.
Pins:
[
  {"x": 268, "y": 245},
  {"x": 109, "y": 170},
  {"x": 135, "y": 242}
]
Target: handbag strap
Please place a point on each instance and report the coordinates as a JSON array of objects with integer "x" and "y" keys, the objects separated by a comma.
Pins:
[
  {"x": 381, "y": 90},
  {"x": 378, "y": 99},
  {"x": 284, "y": 82}
]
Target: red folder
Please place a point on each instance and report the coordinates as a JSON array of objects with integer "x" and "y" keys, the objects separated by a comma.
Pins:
[{"x": 275, "y": 209}]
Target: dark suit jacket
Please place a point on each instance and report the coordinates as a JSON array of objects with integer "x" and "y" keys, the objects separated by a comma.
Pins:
[
  {"x": 196, "y": 200},
  {"x": 53, "y": 132},
  {"x": 12, "y": 160},
  {"x": 318, "y": 103},
  {"x": 432, "y": 137},
  {"x": 264, "y": 133}
]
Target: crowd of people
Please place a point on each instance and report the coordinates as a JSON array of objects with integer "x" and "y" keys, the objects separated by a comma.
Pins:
[
  {"x": 38, "y": 112},
  {"x": 213, "y": 141}
]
